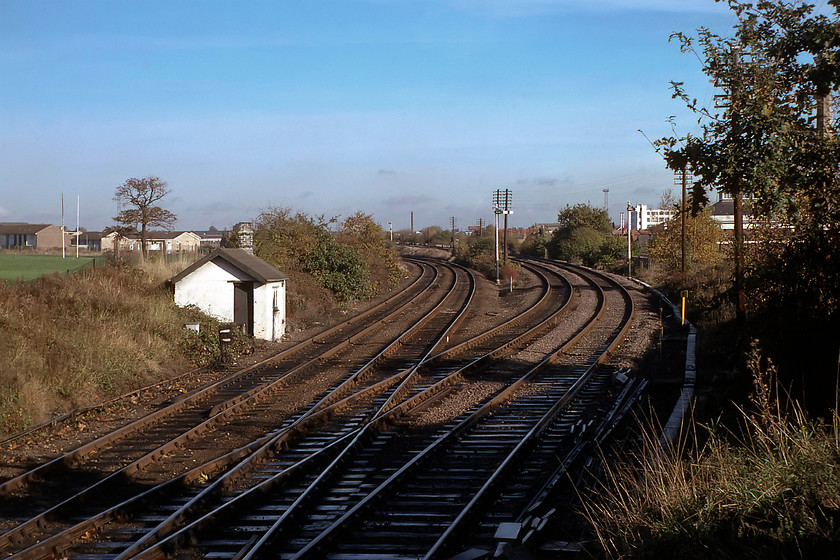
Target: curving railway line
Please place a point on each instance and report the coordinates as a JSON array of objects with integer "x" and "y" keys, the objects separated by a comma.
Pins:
[{"x": 426, "y": 427}]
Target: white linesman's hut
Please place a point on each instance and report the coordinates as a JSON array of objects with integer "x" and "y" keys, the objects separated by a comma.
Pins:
[{"x": 235, "y": 286}]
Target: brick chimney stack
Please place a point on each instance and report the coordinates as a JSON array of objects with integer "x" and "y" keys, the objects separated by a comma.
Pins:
[{"x": 245, "y": 234}]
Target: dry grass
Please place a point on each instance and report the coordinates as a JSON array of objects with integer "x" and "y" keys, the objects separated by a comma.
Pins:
[
  {"x": 770, "y": 491},
  {"x": 72, "y": 340}
]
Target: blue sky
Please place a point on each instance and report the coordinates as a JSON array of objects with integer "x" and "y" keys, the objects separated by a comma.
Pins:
[{"x": 337, "y": 106}]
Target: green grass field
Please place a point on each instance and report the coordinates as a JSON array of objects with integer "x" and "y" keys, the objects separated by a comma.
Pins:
[{"x": 28, "y": 267}]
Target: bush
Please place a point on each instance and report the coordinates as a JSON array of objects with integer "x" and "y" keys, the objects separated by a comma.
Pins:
[
  {"x": 586, "y": 245},
  {"x": 355, "y": 265},
  {"x": 478, "y": 253}
]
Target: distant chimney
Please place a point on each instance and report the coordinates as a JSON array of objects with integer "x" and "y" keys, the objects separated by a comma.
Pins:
[{"x": 245, "y": 234}]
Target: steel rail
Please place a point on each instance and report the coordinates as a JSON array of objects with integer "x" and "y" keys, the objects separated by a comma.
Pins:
[
  {"x": 539, "y": 428},
  {"x": 275, "y": 440},
  {"x": 138, "y": 551},
  {"x": 74, "y": 457},
  {"x": 289, "y": 512},
  {"x": 85, "y": 409},
  {"x": 14, "y": 537},
  {"x": 424, "y": 359},
  {"x": 441, "y": 338},
  {"x": 462, "y": 427}
]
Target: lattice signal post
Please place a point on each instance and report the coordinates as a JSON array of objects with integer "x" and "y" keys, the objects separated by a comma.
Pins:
[{"x": 502, "y": 204}]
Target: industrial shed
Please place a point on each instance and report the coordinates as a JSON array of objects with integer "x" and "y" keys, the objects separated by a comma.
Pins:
[{"x": 235, "y": 286}]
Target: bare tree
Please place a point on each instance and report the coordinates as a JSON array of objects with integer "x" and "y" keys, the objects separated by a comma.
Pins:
[{"x": 141, "y": 213}]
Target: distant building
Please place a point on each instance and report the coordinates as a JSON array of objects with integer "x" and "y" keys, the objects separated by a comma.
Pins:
[
  {"x": 543, "y": 229},
  {"x": 210, "y": 239},
  {"x": 517, "y": 233},
  {"x": 166, "y": 242},
  {"x": 234, "y": 286},
  {"x": 723, "y": 212},
  {"x": 39, "y": 237},
  {"x": 643, "y": 218},
  {"x": 90, "y": 240}
]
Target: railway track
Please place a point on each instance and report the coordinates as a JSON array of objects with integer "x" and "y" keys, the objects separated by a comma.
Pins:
[
  {"x": 421, "y": 447},
  {"x": 117, "y": 464}
]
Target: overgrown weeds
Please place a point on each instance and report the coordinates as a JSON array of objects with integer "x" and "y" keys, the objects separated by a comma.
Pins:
[
  {"x": 72, "y": 340},
  {"x": 770, "y": 489}
]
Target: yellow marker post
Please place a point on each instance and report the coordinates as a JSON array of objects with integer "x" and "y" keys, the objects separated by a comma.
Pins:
[{"x": 684, "y": 296}]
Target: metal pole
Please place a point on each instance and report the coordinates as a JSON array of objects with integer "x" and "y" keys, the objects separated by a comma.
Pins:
[
  {"x": 682, "y": 211},
  {"x": 62, "y": 226},
  {"x": 496, "y": 214},
  {"x": 507, "y": 211},
  {"x": 77, "y": 226},
  {"x": 629, "y": 229}
]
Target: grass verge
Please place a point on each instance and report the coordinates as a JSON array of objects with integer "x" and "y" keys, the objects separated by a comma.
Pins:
[
  {"x": 768, "y": 490},
  {"x": 74, "y": 340},
  {"x": 23, "y": 266}
]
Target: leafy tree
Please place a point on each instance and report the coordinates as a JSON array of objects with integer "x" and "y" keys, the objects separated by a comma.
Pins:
[
  {"x": 535, "y": 245},
  {"x": 142, "y": 213},
  {"x": 703, "y": 237},
  {"x": 368, "y": 237},
  {"x": 477, "y": 253},
  {"x": 771, "y": 141},
  {"x": 585, "y": 235},
  {"x": 293, "y": 241},
  {"x": 584, "y": 215}
]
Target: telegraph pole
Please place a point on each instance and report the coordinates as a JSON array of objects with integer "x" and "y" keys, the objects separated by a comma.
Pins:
[
  {"x": 452, "y": 239},
  {"x": 496, "y": 213},
  {"x": 62, "y": 225},
  {"x": 682, "y": 177},
  {"x": 731, "y": 103}
]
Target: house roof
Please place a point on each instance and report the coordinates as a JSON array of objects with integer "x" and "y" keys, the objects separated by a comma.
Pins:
[
  {"x": 210, "y": 234},
  {"x": 254, "y": 266},
  {"x": 726, "y": 207},
  {"x": 91, "y": 235},
  {"x": 22, "y": 228},
  {"x": 154, "y": 235}
]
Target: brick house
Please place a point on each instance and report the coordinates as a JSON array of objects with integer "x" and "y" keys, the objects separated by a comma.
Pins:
[
  {"x": 166, "y": 242},
  {"x": 40, "y": 237}
]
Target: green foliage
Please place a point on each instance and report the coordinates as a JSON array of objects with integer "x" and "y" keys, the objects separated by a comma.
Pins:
[
  {"x": 768, "y": 143},
  {"x": 478, "y": 253},
  {"x": 535, "y": 246},
  {"x": 354, "y": 265},
  {"x": 585, "y": 235},
  {"x": 584, "y": 216},
  {"x": 339, "y": 268},
  {"x": 381, "y": 258},
  {"x": 702, "y": 242}
]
